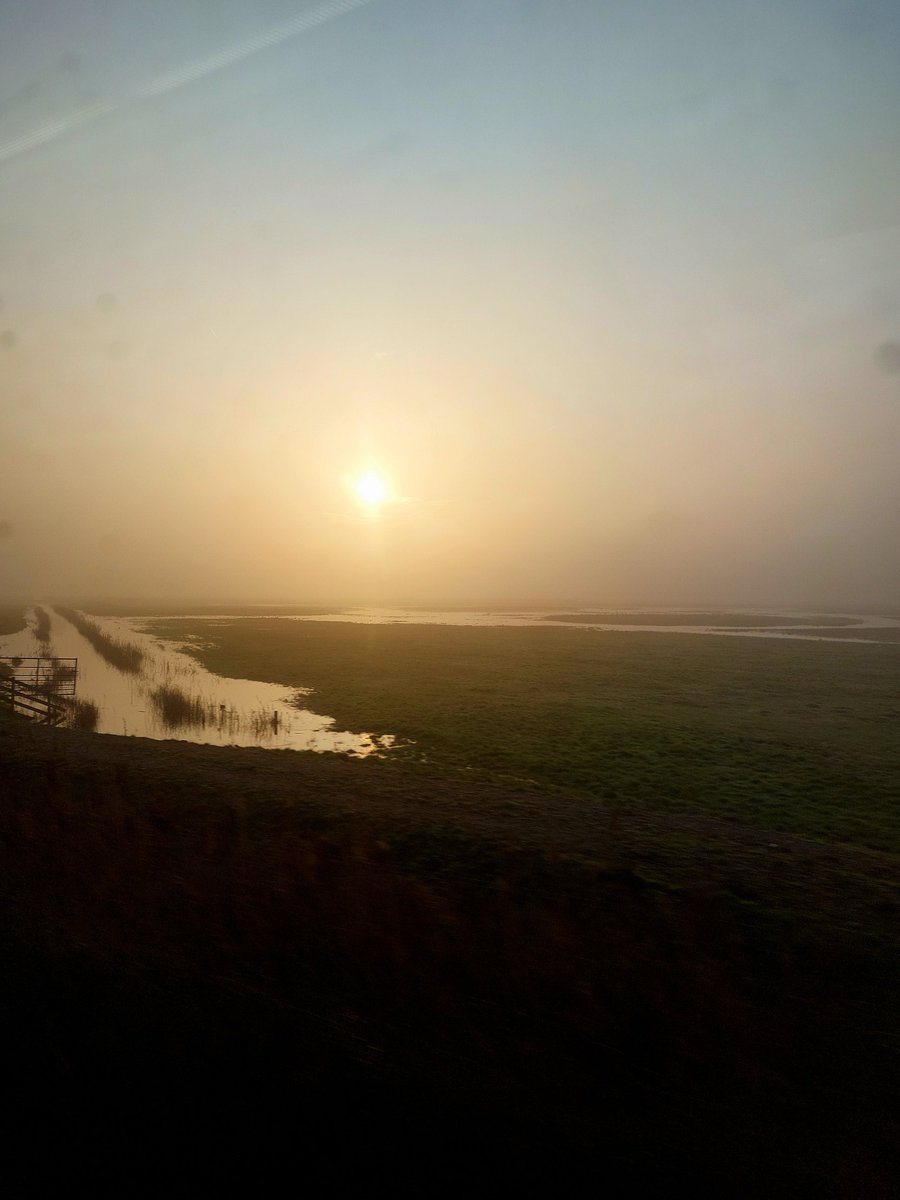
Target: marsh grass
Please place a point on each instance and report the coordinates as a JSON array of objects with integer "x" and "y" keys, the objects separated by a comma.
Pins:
[
  {"x": 180, "y": 709},
  {"x": 42, "y": 625},
  {"x": 263, "y": 722},
  {"x": 177, "y": 708},
  {"x": 124, "y": 656},
  {"x": 84, "y": 715},
  {"x": 795, "y": 736}
]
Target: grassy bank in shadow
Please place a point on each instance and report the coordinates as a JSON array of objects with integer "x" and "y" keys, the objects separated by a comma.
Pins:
[{"x": 373, "y": 963}]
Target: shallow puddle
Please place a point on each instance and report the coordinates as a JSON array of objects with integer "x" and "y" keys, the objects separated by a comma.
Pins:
[{"x": 172, "y": 696}]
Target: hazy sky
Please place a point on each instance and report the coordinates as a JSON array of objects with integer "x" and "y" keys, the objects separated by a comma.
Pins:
[{"x": 608, "y": 291}]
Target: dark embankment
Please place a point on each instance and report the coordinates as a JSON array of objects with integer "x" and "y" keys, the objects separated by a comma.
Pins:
[{"x": 220, "y": 962}]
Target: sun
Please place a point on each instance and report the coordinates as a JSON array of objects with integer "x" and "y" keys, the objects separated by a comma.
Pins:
[{"x": 371, "y": 489}]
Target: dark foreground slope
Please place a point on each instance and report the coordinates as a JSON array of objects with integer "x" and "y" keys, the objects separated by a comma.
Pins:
[{"x": 222, "y": 962}]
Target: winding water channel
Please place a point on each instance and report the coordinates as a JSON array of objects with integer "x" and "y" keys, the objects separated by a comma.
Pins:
[
  {"x": 819, "y": 627},
  {"x": 760, "y": 623}
]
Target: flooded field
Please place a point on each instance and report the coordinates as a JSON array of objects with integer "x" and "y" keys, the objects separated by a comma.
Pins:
[
  {"x": 169, "y": 695},
  {"x": 742, "y": 623}
]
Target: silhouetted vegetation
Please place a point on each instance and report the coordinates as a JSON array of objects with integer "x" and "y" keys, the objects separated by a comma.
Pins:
[
  {"x": 59, "y": 679},
  {"x": 176, "y": 708},
  {"x": 41, "y": 625},
  {"x": 262, "y": 721},
  {"x": 125, "y": 656},
  {"x": 83, "y": 714}
]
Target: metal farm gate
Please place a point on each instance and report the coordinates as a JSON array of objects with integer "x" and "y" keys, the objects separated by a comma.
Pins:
[{"x": 41, "y": 689}]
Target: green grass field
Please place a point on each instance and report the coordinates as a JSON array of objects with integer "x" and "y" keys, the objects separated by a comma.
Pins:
[{"x": 792, "y": 736}]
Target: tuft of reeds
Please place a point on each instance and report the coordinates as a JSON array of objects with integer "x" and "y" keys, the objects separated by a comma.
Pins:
[
  {"x": 176, "y": 708},
  {"x": 124, "y": 656},
  {"x": 83, "y": 714},
  {"x": 41, "y": 625},
  {"x": 264, "y": 722}
]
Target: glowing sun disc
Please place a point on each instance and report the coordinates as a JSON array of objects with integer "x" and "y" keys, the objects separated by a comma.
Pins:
[{"x": 371, "y": 488}]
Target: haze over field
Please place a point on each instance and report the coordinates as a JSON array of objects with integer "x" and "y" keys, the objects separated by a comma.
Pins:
[{"x": 405, "y": 300}]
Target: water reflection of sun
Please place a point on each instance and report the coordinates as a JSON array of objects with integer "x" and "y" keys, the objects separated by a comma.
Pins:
[{"x": 371, "y": 489}]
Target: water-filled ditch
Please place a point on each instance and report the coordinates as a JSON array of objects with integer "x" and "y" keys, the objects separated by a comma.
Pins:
[{"x": 171, "y": 696}]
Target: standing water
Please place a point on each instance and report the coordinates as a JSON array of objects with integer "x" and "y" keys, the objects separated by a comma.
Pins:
[{"x": 171, "y": 696}]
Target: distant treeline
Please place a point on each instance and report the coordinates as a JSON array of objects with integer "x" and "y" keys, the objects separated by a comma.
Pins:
[{"x": 125, "y": 656}]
